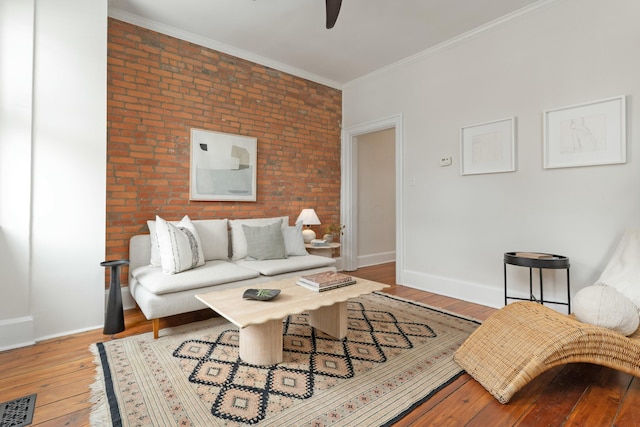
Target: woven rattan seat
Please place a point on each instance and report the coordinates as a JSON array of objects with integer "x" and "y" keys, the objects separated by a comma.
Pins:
[{"x": 524, "y": 339}]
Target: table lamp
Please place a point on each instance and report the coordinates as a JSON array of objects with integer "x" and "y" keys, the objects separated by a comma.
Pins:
[{"x": 308, "y": 217}]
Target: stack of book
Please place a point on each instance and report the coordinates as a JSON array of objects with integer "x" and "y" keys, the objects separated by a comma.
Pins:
[
  {"x": 325, "y": 281},
  {"x": 319, "y": 242}
]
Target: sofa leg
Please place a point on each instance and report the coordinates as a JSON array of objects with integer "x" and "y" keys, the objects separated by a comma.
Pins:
[{"x": 156, "y": 328}]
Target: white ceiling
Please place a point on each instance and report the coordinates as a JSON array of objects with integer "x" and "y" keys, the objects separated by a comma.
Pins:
[{"x": 290, "y": 35}]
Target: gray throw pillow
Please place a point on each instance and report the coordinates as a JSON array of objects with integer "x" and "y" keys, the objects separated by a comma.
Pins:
[{"x": 265, "y": 242}]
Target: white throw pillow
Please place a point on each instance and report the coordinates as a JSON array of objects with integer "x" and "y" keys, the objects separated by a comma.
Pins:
[
  {"x": 238, "y": 239},
  {"x": 623, "y": 270},
  {"x": 603, "y": 305},
  {"x": 180, "y": 247},
  {"x": 293, "y": 240},
  {"x": 155, "y": 260},
  {"x": 214, "y": 235}
]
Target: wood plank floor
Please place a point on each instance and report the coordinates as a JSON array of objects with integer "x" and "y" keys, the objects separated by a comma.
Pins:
[{"x": 61, "y": 370}]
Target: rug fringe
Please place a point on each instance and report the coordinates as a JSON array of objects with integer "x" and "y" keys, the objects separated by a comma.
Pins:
[{"x": 99, "y": 407}]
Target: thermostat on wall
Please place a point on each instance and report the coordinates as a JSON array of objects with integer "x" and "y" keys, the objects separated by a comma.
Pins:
[{"x": 446, "y": 161}]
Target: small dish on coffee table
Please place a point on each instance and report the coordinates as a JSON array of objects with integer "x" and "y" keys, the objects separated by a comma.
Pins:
[{"x": 261, "y": 294}]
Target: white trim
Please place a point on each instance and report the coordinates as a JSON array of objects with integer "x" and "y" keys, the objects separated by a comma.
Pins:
[
  {"x": 231, "y": 50},
  {"x": 71, "y": 332},
  {"x": 376, "y": 259},
  {"x": 220, "y": 47},
  {"x": 16, "y": 332},
  {"x": 452, "y": 42},
  {"x": 478, "y": 293},
  {"x": 349, "y": 191}
]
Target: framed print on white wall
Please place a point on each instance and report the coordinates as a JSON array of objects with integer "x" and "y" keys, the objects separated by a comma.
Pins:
[
  {"x": 488, "y": 147},
  {"x": 587, "y": 134},
  {"x": 223, "y": 167}
]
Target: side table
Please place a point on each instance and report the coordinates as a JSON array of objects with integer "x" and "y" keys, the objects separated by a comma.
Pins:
[
  {"x": 326, "y": 251},
  {"x": 540, "y": 261},
  {"x": 114, "y": 316}
]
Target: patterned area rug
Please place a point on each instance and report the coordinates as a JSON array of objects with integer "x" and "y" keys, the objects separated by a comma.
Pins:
[{"x": 396, "y": 355}]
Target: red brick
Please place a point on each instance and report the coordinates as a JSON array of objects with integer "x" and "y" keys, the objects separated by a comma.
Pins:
[{"x": 159, "y": 88}]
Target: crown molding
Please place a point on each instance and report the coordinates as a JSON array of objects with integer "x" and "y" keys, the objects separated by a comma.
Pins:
[
  {"x": 452, "y": 42},
  {"x": 215, "y": 45}
]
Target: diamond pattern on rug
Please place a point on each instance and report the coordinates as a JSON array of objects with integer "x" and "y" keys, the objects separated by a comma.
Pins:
[
  {"x": 358, "y": 325},
  {"x": 416, "y": 329},
  {"x": 392, "y": 340},
  {"x": 241, "y": 404},
  {"x": 251, "y": 376},
  {"x": 229, "y": 338},
  {"x": 17, "y": 412},
  {"x": 212, "y": 372},
  {"x": 291, "y": 383},
  {"x": 362, "y": 351},
  {"x": 330, "y": 346},
  {"x": 195, "y": 349},
  {"x": 297, "y": 343},
  {"x": 245, "y": 389},
  {"x": 379, "y": 316},
  {"x": 331, "y": 365}
]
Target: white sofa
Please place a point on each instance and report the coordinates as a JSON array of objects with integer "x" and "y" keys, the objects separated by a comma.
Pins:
[{"x": 228, "y": 264}]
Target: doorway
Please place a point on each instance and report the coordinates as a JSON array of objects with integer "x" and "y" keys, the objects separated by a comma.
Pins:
[{"x": 352, "y": 212}]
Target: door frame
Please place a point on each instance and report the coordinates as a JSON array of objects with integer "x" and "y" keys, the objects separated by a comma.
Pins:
[{"x": 349, "y": 190}]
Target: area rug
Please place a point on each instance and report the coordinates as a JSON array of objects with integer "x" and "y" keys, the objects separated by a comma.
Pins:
[{"x": 396, "y": 355}]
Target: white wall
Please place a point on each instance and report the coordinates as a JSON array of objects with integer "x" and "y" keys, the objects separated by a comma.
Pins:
[
  {"x": 376, "y": 198},
  {"x": 457, "y": 228},
  {"x": 16, "y": 64},
  {"x": 54, "y": 159}
]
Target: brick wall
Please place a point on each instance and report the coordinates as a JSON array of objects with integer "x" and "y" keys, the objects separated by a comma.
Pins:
[{"x": 160, "y": 87}]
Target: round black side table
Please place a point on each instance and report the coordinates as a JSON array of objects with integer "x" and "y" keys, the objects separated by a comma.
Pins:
[
  {"x": 540, "y": 261},
  {"x": 114, "y": 316}
]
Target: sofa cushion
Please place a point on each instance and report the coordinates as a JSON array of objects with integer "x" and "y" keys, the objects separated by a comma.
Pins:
[
  {"x": 214, "y": 272},
  {"x": 238, "y": 239},
  {"x": 180, "y": 247},
  {"x": 272, "y": 267},
  {"x": 265, "y": 242},
  {"x": 293, "y": 240}
]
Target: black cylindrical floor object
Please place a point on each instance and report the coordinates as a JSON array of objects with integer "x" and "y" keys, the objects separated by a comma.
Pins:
[{"x": 114, "y": 316}]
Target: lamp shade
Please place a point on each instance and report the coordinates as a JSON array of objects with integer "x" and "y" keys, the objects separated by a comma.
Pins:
[{"x": 308, "y": 217}]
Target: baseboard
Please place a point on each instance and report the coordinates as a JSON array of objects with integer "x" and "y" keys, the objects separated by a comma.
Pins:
[
  {"x": 127, "y": 300},
  {"x": 16, "y": 332},
  {"x": 375, "y": 259},
  {"x": 71, "y": 332},
  {"x": 466, "y": 291}
]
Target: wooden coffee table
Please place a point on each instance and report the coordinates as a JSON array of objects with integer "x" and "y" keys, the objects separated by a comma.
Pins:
[{"x": 260, "y": 322}]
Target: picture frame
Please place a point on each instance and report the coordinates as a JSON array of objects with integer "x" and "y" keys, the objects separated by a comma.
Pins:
[
  {"x": 222, "y": 167},
  {"x": 589, "y": 134},
  {"x": 488, "y": 147}
]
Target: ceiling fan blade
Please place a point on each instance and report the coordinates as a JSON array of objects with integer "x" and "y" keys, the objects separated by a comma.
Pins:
[{"x": 333, "y": 9}]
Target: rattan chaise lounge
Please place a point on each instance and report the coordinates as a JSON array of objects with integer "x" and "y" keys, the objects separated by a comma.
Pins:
[{"x": 524, "y": 339}]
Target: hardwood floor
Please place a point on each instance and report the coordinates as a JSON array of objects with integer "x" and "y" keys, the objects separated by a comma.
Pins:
[{"x": 61, "y": 370}]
